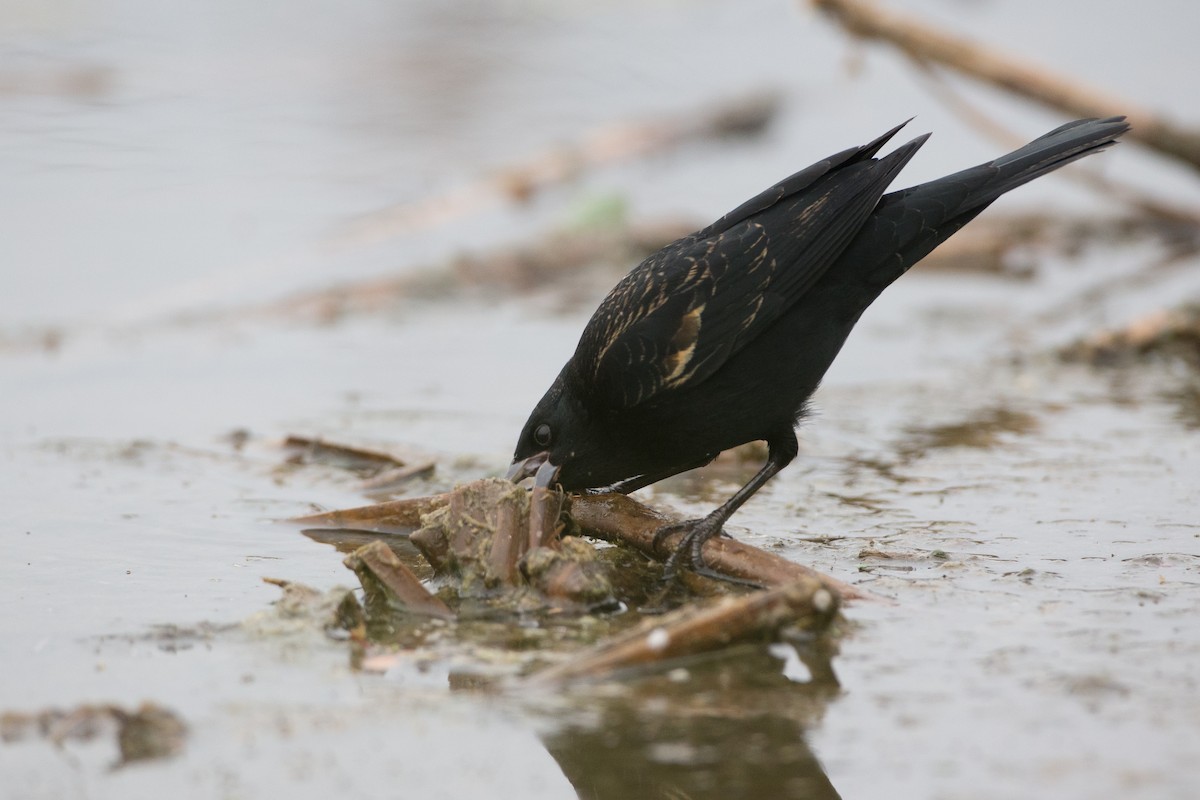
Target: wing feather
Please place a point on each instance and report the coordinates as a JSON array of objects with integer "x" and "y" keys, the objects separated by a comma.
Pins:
[{"x": 679, "y": 315}]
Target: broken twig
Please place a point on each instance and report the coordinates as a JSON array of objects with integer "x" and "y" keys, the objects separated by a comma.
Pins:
[
  {"x": 925, "y": 43},
  {"x": 1166, "y": 333},
  {"x": 395, "y": 478},
  {"x": 310, "y": 448},
  {"x": 803, "y": 603},
  {"x": 611, "y": 517},
  {"x": 396, "y": 516},
  {"x": 378, "y": 568},
  {"x": 619, "y": 518}
]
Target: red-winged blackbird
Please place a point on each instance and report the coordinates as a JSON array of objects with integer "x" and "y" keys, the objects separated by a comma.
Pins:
[{"x": 720, "y": 338}]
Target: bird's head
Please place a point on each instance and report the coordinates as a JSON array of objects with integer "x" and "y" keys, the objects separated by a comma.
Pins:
[{"x": 564, "y": 443}]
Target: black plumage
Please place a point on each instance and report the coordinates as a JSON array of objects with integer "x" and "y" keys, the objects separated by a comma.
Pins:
[{"x": 720, "y": 338}]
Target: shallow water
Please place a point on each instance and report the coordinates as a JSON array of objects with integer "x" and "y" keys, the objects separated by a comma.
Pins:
[{"x": 1035, "y": 523}]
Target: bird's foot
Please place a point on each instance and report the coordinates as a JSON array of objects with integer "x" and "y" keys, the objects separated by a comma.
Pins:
[{"x": 689, "y": 553}]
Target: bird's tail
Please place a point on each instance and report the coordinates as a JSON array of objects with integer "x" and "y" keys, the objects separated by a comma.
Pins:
[
  {"x": 908, "y": 224},
  {"x": 1044, "y": 154}
]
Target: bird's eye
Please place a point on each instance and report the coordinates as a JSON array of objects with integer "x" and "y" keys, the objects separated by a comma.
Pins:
[{"x": 541, "y": 435}]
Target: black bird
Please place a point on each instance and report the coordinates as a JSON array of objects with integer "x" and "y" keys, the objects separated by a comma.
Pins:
[{"x": 720, "y": 338}]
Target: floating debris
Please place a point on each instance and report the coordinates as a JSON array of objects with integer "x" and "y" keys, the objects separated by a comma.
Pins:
[
  {"x": 804, "y": 604},
  {"x": 385, "y": 577},
  {"x": 147, "y": 733},
  {"x": 494, "y": 536},
  {"x": 509, "y": 553},
  {"x": 302, "y": 607},
  {"x": 362, "y": 460},
  {"x": 1168, "y": 333}
]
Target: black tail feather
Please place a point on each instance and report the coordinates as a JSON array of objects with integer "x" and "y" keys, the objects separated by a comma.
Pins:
[
  {"x": 910, "y": 223},
  {"x": 1044, "y": 154}
]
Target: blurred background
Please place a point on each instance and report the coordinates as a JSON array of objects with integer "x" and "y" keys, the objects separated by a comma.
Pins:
[
  {"x": 161, "y": 158},
  {"x": 386, "y": 222}
]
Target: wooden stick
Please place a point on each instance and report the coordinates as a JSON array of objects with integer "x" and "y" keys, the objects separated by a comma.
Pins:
[
  {"x": 396, "y": 516},
  {"x": 1171, "y": 213},
  {"x": 378, "y": 567},
  {"x": 395, "y": 478},
  {"x": 619, "y": 518},
  {"x": 925, "y": 43},
  {"x": 688, "y": 632},
  {"x": 613, "y": 518},
  {"x": 545, "y": 507}
]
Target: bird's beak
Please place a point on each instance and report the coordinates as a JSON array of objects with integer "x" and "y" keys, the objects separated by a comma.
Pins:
[{"x": 537, "y": 465}]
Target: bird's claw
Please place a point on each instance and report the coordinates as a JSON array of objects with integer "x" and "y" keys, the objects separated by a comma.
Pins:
[
  {"x": 662, "y": 533},
  {"x": 689, "y": 552}
]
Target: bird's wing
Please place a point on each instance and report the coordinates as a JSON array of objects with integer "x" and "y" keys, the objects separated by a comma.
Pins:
[
  {"x": 656, "y": 329},
  {"x": 675, "y": 319}
]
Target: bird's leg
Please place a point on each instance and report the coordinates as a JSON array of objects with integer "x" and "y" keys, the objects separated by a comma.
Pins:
[{"x": 782, "y": 448}]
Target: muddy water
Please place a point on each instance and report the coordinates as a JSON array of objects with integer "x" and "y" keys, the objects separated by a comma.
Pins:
[{"x": 1034, "y": 523}]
